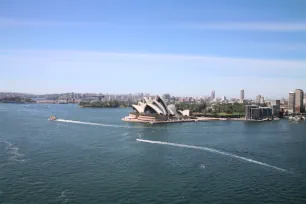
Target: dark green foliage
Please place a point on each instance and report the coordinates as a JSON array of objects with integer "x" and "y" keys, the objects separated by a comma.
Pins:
[
  {"x": 16, "y": 100},
  {"x": 193, "y": 107},
  {"x": 230, "y": 108},
  {"x": 215, "y": 109},
  {"x": 104, "y": 104}
]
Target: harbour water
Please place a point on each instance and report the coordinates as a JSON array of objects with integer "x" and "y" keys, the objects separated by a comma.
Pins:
[{"x": 91, "y": 156}]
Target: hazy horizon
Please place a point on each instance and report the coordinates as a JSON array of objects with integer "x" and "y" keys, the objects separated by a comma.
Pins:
[
  {"x": 153, "y": 94},
  {"x": 176, "y": 47}
]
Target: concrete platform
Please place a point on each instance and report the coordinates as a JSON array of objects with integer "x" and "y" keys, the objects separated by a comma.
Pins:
[{"x": 157, "y": 122}]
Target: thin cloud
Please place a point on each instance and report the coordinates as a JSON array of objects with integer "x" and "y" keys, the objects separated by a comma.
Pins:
[
  {"x": 264, "y": 67},
  {"x": 83, "y": 71},
  {"x": 148, "y": 56},
  {"x": 227, "y": 26},
  {"x": 248, "y": 26},
  {"x": 39, "y": 23}
]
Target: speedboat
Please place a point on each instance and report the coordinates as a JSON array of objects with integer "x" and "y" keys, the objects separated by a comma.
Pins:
[{"x": 52, "y": 117}]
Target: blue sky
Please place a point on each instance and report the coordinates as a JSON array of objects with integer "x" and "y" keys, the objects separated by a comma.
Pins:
[{"x": 181, "y": 47}]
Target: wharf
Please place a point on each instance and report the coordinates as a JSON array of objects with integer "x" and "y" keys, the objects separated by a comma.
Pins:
[
  {"x": 158, "y": 122},
  {"x": 200, "y": 119}
]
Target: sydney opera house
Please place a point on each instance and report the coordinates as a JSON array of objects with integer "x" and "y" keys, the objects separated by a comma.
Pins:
[{"x": 152, "y": 110}]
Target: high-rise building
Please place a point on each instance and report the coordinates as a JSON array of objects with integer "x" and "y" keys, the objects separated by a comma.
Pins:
[
  {"x": 275, "y": 105},
  {"x": 291, "y": 102},
  {"x": 262, "y": 100},
  {"x": 258, "y": 99},
  {"x": 299, "y": 95},
  {"x": 213, "y": 95},
  {"x": 224, "y": 99},
  {"x": 241, "y": 95}
]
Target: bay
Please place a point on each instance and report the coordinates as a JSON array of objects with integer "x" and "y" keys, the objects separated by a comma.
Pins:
[{"x": 101, "y": 161}]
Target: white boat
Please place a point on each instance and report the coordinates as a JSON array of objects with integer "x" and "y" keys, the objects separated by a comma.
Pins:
[
  {"x": 223, "y": 119},
  {"x": 52, "y": 117},
  {"x": 296, "y": 118}
]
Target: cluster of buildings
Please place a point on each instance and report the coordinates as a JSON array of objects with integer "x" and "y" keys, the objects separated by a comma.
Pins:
[
  {"x": 258, "y": 109},
  {"x": 12, "y": 95},
  {"x": 225, "y": 100},
  {"x": 295, "y": 104}
]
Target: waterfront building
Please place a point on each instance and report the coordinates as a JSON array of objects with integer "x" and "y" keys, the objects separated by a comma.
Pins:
[
  {"x": 267, "y": 112},
  {"x": 291, "y": 103},
  {"x": 261, "y": 113},
  {"x": 254, "y": 112},
  {"x": 299, "y": 106},
  {"x": 275, "y": 105},
  {"x": 248, "y": 111},
  {"x": 241, "y": 95}
]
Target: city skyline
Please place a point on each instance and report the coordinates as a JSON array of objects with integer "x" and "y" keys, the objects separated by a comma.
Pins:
[
  {"x": 157, "y": 47},
  {"x": 212, "y": 95}
]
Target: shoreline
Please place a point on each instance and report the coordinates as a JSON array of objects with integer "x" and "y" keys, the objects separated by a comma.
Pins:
[
  {"x": 201, "y": 119},
  {"x": 99, "y": 107}
]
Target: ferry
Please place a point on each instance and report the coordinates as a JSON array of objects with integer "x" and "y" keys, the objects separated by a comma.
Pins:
[{"x": 52, "y": 117}]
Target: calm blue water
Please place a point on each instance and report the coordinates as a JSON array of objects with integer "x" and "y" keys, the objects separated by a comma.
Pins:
[{"x": 44, "y": 161}]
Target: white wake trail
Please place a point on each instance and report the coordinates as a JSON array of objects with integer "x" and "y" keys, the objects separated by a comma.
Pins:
[
  {"x": 116, "y": 126},
  {"x": 89, "y": 123},
  {"x": 214, "y": 151},
  {"x": 100, "y": 124}
]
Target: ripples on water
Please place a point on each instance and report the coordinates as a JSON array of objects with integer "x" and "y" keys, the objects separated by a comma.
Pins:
[
  {"x": 63, "y": 198},
  {"x": 214, "y": 151},
  {"x": 12, "y": 152}
]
